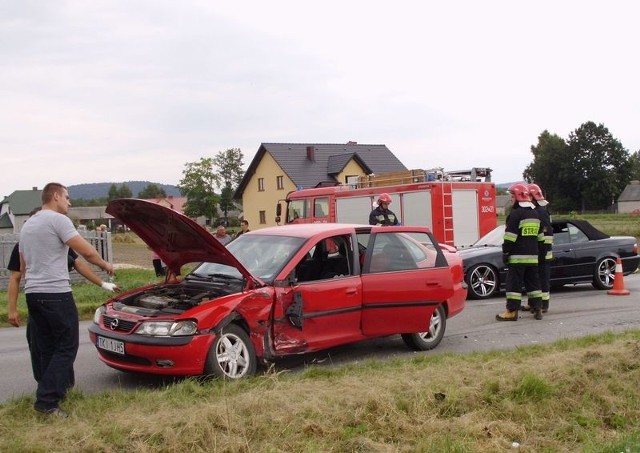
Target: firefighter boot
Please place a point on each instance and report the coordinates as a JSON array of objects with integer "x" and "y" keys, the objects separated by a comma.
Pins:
[
  {"x": 526, "y": 307},
  {"x": 509, "y": 315},
  {"x": 537, "y": 313},
  {"x": 545, "y": 306}
]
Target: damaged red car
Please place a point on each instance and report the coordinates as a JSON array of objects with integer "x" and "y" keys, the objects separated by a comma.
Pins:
[{"x": 273, "y": 292}]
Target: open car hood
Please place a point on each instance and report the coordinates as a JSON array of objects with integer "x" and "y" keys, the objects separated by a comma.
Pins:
[{"x": 174, "y": 237}]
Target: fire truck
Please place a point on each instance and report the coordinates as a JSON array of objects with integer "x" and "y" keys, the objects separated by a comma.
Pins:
[{"x": 458, "y": 206}]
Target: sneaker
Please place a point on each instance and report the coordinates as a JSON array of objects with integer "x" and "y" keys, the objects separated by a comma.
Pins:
[
  {"x": 54, "y": 411},
  {"x": 508, "y": 316}
]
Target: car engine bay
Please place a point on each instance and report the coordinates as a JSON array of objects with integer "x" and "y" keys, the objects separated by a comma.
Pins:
[{"x": 168, "y": 299}]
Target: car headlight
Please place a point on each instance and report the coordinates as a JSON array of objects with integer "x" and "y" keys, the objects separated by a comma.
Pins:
[
  {"x": 167, "y": 328},
  {"x": 98, "y": 314}
]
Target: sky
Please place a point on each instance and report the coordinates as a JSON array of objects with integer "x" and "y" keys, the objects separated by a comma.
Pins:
[{"x": 114, "y": 91}]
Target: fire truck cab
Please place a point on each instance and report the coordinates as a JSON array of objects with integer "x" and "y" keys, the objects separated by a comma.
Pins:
[{"x": 457, "y": 209}]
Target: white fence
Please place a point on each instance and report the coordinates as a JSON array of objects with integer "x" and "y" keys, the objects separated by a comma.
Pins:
[{"x": 101, "y": 241}]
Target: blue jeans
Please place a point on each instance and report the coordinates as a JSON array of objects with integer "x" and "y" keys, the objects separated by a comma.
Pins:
[{"x": 55, "y": 333}]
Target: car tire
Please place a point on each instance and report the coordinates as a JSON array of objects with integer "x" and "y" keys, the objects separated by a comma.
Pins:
[
  {"x": 482, "y": 281},
  {"x": 425, "y": 341},
  {"x": 232, "y": 355},
  {"x": 604, "y": 273}
]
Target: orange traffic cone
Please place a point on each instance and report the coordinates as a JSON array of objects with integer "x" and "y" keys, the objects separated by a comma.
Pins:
[{"x": 618, "y": 283}]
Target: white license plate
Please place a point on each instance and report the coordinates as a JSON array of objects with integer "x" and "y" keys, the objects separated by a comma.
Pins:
[{"x": 111, "y": 345}]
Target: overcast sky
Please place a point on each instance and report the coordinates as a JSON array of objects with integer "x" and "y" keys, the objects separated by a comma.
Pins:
[{"x": 112, "y": 90}]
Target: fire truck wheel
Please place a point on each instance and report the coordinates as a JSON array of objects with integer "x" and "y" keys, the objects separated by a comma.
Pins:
[
  {"x": 482, "y": 281},
  {"x": 425, "y": 341},
  {"x": 232, "y": 355}
]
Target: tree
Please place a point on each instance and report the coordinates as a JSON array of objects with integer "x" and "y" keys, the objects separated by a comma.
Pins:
[
  {"x": 119, "y": 192},
  {"x": 230, "y": 174},
  {"x": 602, "y": 166},
  {"x": 550, "y": 168},
  {"x": 152, "y": 191},
  {"x": 589, "y": 171},
  {"x": 634, "y": 162},
  {"x": 198, "y": 185}
]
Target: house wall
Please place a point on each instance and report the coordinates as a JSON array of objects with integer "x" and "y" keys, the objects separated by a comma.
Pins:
[
  {"x": 254, "y": 201},
  {"x": 351, "y": 169},
  {"x": 628, "y": 207}
]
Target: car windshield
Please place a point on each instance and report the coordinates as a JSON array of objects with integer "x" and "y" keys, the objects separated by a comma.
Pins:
[
  {"x": 493, "y": 238},
  {"x": 262, "y": 255}
]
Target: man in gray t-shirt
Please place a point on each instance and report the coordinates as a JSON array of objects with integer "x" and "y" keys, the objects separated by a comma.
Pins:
[{"x": 44, "y": 243}]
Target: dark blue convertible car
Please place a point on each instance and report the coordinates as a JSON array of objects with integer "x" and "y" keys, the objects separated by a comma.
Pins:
[{"x": 581, "y": 254}]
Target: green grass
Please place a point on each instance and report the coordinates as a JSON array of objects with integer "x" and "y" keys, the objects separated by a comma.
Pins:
[{"x": 88, "y": 296}]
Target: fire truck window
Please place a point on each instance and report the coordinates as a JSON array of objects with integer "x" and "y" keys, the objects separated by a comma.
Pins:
[
  {"x": 321, "y": 207},
  {"x": 298, "y": 209}
]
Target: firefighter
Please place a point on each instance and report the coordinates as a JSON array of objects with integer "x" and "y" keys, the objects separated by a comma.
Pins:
[
  {"x": 545, "y": 256},
  {"x": 523, "y": 239},
  {"x": 382, "y": 215}
]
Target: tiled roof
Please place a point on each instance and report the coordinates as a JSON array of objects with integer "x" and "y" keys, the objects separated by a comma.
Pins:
[
  {"x": 22, "y": 202},
  {"x": 5, "y": 221},
  {"x": 631, "y": 192},
  {"x": 328, "y": 160}
]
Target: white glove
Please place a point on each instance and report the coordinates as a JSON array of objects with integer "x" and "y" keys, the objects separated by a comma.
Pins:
[{"x": 111, "y": 287}]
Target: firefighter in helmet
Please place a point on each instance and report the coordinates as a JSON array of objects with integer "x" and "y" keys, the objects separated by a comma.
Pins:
[
  {"x": 545, "y": 256},
  {"x": 382, "y": 215},
  {"x": 523, "y": 238}
]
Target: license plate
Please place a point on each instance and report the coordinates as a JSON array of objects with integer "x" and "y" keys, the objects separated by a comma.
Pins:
[{"x": 111, "y": 345}]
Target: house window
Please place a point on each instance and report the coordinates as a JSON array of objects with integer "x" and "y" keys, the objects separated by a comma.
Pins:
[
  {"x": 260, "y": 184},
  {"x": 352, "y": 181},
  {"x": 263, "y": 217},
  {"x": 280, "y": 182}
]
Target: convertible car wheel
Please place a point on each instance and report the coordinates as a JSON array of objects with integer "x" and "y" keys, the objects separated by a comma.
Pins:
[
  {"x": 232, "y": 355},
  {"x": 425, "y": 341},
  {"x": 482, "y": 280},
  {"x": 605, "y": 273}
]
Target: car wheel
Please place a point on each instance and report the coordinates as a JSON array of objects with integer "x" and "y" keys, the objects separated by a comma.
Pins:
[
  {"x": 232, "y": 355},
  {"x": 605, "y": 273},
  {"x": 482, "y": 281},
  {"x": 424, "y": 341}
]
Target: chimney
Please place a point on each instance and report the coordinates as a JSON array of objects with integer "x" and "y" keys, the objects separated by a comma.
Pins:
[
  {"x": 311, "y": 153},
  {"x": 35, "y": 187}
]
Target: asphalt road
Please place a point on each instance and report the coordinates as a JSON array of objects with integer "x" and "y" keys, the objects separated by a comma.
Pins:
[{"x": 575, "y": 311}]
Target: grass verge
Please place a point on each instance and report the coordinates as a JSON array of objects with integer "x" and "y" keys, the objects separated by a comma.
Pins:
[{"x": 573, "y": 395}]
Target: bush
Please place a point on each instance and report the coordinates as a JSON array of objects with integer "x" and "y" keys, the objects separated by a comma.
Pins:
[{"x": 123, "y": 238}]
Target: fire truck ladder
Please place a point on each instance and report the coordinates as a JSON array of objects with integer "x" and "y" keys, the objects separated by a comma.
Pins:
[{"x": 447, "y": 212}]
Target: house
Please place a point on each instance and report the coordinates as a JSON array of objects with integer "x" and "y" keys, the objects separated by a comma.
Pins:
[
  {"x": 15, "y": 209},
  {"x": 279, "y": 168},
  {"x": 629, "y": 199}
]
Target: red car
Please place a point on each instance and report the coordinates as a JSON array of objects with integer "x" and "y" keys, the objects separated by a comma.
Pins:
[{"x": 273, "y": 292}]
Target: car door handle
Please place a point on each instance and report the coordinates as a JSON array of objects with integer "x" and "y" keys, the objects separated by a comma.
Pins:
[
  {"x": 351, "y": 291},
  {"x": 433, "y": 284}
]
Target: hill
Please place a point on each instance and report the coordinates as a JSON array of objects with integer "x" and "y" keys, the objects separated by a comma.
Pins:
[{"x": 101, "y": 189}]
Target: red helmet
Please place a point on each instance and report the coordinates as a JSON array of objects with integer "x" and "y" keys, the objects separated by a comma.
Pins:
[
  {"x": 536, "y": 192},
  {"x": 520, "y": 191},
  {"x": 384, "y": 198}
]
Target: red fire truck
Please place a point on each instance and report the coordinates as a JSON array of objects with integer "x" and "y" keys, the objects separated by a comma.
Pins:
[{"x": 459, "y": 207}]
